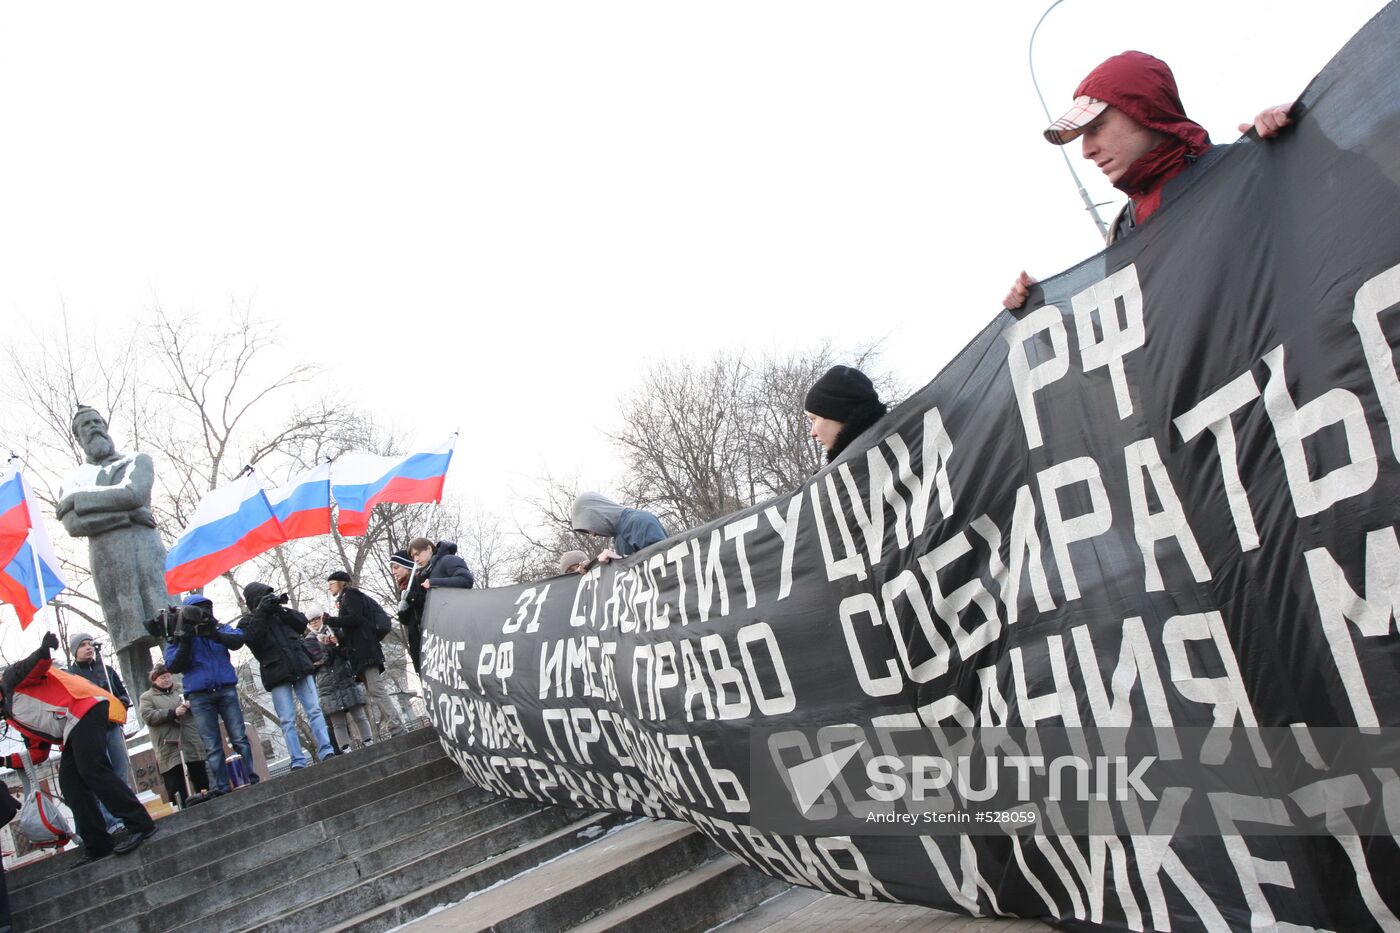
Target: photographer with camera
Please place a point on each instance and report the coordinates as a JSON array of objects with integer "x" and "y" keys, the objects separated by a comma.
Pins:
[
  {"x": 274, "y": 633},
  {"x": 51, "y": 707},
  {"x": 199, "y": 648}
]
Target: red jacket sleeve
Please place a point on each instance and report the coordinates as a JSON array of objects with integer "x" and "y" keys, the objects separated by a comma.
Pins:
[
  {"x": 39, "y": 671},
  {"x": 38, "y": 751}
]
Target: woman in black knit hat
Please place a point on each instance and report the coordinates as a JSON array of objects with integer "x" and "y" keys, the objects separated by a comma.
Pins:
[{"x": 841, "y": 405}]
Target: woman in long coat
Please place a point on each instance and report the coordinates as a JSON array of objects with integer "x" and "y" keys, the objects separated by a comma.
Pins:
[{"x": 342, "y": 697}]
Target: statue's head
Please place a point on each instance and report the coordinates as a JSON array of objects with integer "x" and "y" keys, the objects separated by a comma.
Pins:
[{"x": 90, "y": 428}]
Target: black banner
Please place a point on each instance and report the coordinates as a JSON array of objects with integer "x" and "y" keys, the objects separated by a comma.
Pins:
[{"x": 1163, "y": 495}]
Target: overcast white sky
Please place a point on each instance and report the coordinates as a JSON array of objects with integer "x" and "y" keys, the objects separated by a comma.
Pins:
[{"x": 512, "y": 200}]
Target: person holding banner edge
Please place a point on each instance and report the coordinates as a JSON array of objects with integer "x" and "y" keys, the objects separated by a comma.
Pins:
[
  {"x": 631, "y": 529},
  {"x": 841, "y": 405},
  {"x": 573, "y": 562},
  {"x": 1133, "y": 126}
]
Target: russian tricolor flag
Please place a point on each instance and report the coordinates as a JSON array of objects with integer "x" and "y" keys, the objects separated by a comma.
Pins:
[
  {"x": 303, "y": 505},
  {"x": 29, "y": 574},
  {"x": 231, "y": 524},
  {"x": 14, "y": 517},
  {"x": 361, "y": 481}
]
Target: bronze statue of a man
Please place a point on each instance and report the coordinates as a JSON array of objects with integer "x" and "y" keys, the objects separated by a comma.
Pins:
[{"x": 108, "y": 501}]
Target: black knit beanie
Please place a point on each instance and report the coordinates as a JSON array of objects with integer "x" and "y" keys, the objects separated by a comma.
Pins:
[{"x": 841, "y": 392}]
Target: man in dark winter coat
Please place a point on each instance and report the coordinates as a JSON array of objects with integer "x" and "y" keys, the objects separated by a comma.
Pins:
[
  {"x": 354, "y": 627},
  {"x": 428, "y": 565},
  {"x": 841, "y": 405},
  {"x": 439, "y": 565},
  {"x": 52, "y": 707},
  {"x": 631, "y": 529},
  {"x": 274, "y": 634},
  {"x": 200, "y": 653}
]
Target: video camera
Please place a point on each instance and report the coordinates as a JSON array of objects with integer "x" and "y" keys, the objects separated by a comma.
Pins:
[
  {"x": 269, "y": 602},
  {"x": 176, "y": 622}
]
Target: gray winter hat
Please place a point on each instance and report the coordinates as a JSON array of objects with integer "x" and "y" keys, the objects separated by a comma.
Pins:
[
  {"x": 77, "y": 639},
  {"x": 569, "y": 558}
]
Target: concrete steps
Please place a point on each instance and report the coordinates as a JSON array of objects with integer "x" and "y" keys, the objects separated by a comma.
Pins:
[
  {"x": 799, "y": 910},
  {"x": 712, "y": 892},
  {"x": 648, "y": 875},
  {"x": 394, "y": 837},
  {"x": 520, "y": 862},
  {"x": 308, "y": 850}
]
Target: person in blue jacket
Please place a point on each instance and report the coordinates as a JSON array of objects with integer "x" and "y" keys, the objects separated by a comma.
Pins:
[
  {"x": 200, "y": 652},
  {"x": 630, "y": 529}
]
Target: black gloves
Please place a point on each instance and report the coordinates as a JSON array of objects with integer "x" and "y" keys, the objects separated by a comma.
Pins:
[{"x": 50, "y": 641}]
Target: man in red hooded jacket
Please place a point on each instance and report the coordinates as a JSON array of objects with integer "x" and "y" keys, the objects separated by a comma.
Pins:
[
  {"x": 1131, "y": 123},
  {"x": 51, "y": 707}
]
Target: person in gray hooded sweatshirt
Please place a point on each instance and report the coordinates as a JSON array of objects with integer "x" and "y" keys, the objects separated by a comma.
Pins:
[{"x": 630, "y": 529}]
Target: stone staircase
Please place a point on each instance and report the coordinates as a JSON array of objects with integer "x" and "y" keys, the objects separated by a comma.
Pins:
[
  {"x": 367, "y": 842},
  {"x": 394, "y": 817},
  {"x": 393, "y": 837},
  {"x": 648, "y": 875}
]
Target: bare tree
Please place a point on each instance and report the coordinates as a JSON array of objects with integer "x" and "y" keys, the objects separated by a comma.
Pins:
[
  {"x": 684, "y": 439},
  {"x": 702, "y": 440},
  {"x": 781, "y": 453},
  {"x": 549, "y": 530},
  {"x": 489, "y": 548},
  {"x": 216, "y": 401}
]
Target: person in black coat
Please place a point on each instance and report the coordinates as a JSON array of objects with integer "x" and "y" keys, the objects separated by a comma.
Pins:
[
  {"x": 410, "y": 612},
  {"x": 342, "y": 697},
  {"x": 273, "y": 633},
  {"x": 841, "y": 406},
  {"x": 354, "y": 626},
  {"x": 417, "y": 569},
  {"x": 89, "y": 665}
]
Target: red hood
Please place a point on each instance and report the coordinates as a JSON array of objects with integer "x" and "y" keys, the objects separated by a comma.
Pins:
[{"x": 1144, "y": 88}]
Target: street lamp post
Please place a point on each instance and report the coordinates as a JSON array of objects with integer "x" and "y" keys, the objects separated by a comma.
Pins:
[{"x": 1089, "y": 204}]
